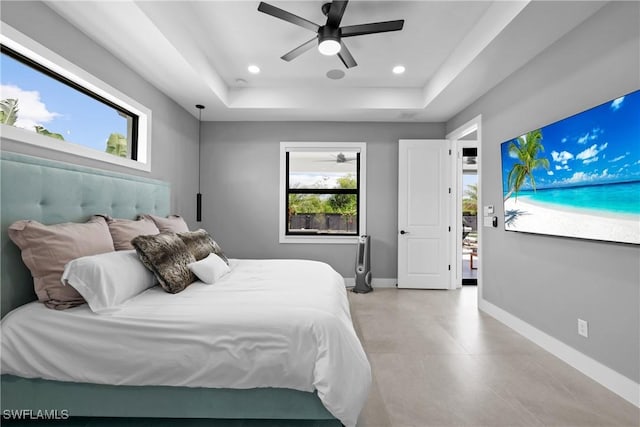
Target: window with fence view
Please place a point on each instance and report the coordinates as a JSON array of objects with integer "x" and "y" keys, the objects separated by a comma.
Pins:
[{"x": 322, "y": 193}]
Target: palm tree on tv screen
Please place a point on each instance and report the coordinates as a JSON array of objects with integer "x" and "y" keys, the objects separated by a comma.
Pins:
[{"x": 526, "y": 149}]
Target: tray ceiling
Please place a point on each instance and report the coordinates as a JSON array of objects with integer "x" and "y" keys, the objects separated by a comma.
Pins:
[{"x": 197, "y": 52}]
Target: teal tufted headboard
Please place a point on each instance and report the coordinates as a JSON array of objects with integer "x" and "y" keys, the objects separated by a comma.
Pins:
[{"x": 53, "y": 192}]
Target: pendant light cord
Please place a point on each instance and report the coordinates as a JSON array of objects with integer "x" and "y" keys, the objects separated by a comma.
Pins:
[
  {"x": 200, "y": 108},
  {"x": 199, "y": 195}
]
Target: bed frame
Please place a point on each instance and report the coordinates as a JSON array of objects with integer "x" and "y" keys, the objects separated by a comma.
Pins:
[{"x": 53, "y": 192}]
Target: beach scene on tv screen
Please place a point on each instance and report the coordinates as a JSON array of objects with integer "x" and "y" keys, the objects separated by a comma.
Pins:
[{"x": 578, "y": 177}]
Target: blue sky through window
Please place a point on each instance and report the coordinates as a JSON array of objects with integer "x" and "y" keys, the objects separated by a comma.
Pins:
[
  {"x": 59, "y": 108},
  {"x": 469, "y": 179}
]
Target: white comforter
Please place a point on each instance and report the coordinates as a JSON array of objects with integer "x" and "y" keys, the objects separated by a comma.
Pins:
[{"x": 268, "y": 323}]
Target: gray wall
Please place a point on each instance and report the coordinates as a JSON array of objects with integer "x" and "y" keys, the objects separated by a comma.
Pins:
[
  {"x": 550, "y": 282},
  {"x": 174, "y": 132},
  {"x": 241, "y": 178}
]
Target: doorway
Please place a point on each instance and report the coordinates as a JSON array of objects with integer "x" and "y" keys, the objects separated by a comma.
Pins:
[{"x": 468, "y": 205}]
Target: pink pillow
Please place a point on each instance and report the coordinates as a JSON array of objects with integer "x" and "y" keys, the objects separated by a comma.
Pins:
[
  {"x": 46, "y": 249},
  {"x": 124, "y": 230},
  {"x": 173, "y": 223}
]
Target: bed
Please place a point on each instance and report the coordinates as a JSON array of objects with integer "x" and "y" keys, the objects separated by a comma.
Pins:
[{"x": 53, "y": 192}]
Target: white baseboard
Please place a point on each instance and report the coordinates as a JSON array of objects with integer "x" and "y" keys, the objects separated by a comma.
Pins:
[
  {"x": 614, "y": 381},
  {"x": 376, "y": 282}
]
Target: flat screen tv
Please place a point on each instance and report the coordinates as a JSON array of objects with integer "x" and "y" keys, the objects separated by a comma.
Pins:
[{"x": 578, "y": 177}]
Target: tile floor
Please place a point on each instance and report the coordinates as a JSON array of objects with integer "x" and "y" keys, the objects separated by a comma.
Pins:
[{"x": 438, "y": 361}]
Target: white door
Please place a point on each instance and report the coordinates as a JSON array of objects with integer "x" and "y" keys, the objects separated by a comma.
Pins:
[{"x": 423, "y": 214}]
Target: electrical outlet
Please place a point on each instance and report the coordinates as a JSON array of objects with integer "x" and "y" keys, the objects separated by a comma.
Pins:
[{"x": 583, "y": 328}]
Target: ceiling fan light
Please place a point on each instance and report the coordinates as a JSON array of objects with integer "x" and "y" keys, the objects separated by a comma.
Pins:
[{"x": 329, "y": 47}]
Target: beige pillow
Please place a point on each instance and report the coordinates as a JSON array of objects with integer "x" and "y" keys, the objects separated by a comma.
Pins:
[
  {"x": 46, "y": 249},
  {"x": 173, "y": 223},
  {"x": 124, "y": 230}
]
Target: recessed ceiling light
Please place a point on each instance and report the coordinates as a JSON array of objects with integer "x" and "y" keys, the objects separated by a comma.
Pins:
[
  {"x": 253, "y": 69},
  {"x": 398, "y": 69},
  {"x": 335, "y": 74}
]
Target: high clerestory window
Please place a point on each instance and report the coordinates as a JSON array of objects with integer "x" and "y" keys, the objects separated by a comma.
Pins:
[
  {"x": 49, "y": 102},
  {"x": 322, "y": 192}
]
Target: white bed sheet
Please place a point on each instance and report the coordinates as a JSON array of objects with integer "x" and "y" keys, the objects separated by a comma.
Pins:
[{"x": 268, "y": 323}]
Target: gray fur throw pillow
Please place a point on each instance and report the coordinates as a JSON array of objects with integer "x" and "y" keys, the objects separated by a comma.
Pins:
[
  {"x": 201, "y": 244},
  {"x": 167, "y": 256}
]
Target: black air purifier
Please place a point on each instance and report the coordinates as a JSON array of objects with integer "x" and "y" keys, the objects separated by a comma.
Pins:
[{"x": 363, "y": 266}]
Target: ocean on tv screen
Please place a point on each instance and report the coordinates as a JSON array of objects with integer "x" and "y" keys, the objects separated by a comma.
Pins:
[{"x": 577, "y": 177}]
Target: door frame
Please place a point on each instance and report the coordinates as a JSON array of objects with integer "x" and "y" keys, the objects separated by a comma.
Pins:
[
  {"x": 458, "y": 195},
  {"x": 456, "y": 138}
]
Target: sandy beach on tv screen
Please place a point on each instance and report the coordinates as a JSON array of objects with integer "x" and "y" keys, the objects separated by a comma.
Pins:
[{"x": 523, "y": 215}]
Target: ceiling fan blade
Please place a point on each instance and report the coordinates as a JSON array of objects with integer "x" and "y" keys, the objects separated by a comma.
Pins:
[
  {"x": 345, "y": 56},
  {"x": 300, "y": 49},
  {"x": 335, "y": 13},
  {"x": 287, "y": 16},
  {"x": 375, "y": 27}
]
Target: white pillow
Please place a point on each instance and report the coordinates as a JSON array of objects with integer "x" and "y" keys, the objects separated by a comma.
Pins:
[
  {"x": 209, "y": 269},
  {"x": 108, "y": 280}
]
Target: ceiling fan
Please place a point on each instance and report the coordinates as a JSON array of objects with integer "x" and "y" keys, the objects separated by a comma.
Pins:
[
  {"x": 341, "y": 158},
  {"x": 329, "y": 36},
  {"x": 338, "y": 158}
]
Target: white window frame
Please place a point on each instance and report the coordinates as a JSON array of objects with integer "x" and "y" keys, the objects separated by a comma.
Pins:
[
  {"x": 33, "y": 50},
  {"x": 360, "y": 147}
]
